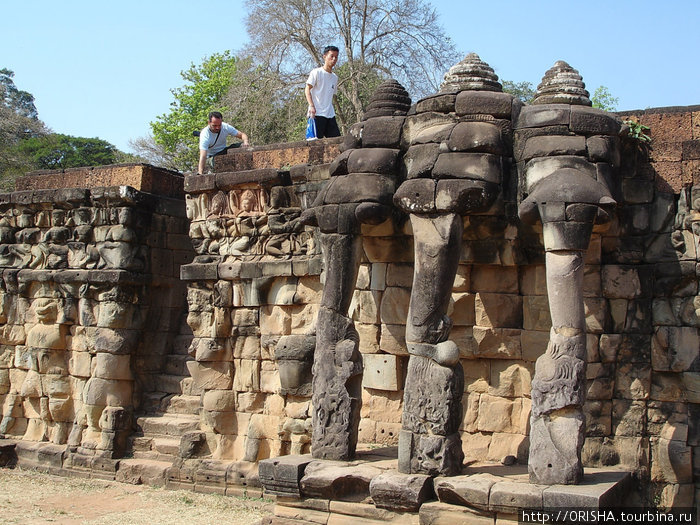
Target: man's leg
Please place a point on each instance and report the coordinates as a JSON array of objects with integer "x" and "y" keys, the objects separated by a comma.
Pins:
[
  {"x": 321, "y": 125},
  {"x": 332, "y": 129}
]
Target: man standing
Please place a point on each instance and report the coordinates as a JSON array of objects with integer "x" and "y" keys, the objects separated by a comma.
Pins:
[
  {"x": 212, "y": 140},
  {"x": 321, "y": 87}
]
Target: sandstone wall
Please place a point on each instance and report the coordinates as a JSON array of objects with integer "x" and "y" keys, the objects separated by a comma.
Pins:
[
  {"x": 93, "y": 328},
  {"x": 641, "y": 292},
  {"x": 91, "y": 302}
]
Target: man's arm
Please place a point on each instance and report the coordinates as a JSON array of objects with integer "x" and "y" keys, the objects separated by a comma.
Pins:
[
  {"x": 312, "y": 108},
  {"x": 202, "y": 161},
  {"x": 243, "y": 137}
]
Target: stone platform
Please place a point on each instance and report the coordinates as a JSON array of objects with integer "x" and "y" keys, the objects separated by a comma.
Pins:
[{"x": 371, "y": 490}]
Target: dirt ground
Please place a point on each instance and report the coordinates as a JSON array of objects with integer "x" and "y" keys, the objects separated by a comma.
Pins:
[{"x": 32, "y": 498}]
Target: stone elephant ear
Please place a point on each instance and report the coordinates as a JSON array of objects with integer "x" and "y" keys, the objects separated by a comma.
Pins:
[{"x": 566, "y": 186}]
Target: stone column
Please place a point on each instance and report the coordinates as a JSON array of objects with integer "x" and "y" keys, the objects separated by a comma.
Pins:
[
  {"x": 558, "y": 424},
  {"x": 429, "y": 440},
  {"x": 457, "y": 147},
  {"x": 567, "y": 153},
  {"x": 337, "y": 368},
  {"x": 362, "y": 183}
]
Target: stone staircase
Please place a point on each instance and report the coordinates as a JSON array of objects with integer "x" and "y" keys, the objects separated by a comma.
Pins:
[
  {"x": 171, "y": 411},
  {"x": 159, "y": 435}
]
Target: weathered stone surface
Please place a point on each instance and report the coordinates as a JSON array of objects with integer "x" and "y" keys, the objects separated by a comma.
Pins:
[
  {"x": 545, "y": 115},
  {"x": 484, "y": 103},
  {"x": 478, "y": 166},
  {"x": 546, "y": 146},
  {"x": 281, "y": 476},
  {"x": 438, "y": 513},
  {"x": 337, "y": 378},
  {"x": 382, "y": 372},
  {"x": 472, "y": 490},
  {"x": 329, "y": 480},
  {"x": 400, "y": 492}
]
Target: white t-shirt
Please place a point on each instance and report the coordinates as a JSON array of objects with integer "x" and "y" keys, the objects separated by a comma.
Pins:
[
  {"x": 323, "y": 86},
  {"x": 213, "y": 142}
]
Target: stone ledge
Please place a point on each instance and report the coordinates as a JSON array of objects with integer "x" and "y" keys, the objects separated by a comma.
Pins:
[
  {"x": 235, "y": 478},
  {"x": 484, "y": 492},
  {"x": 211, "y": 271},
  {"x": 279, "y": 156},
  {"x": 142, "y": 177}
]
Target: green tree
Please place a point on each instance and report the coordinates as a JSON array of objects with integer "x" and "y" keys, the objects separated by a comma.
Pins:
[
  {"x": 603, "y": 99},
  {"x": 204, "y": 89},
  {"x": 20, "y": 102},
  {"x": 525, "y": 91},
  {"x": 57, "y": 151},
  {"x": 18, "y": 121}
]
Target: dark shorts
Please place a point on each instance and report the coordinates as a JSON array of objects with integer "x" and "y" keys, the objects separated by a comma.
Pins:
[{"x": 326, "y": 127}]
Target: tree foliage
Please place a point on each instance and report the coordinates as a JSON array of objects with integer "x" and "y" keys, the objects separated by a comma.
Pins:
[
  {"x": 603, "y": 99},
  {"x": 402, "y": 39},
  {"x": 525, "y": 91},
  {"x": 205, "y": 86},
  {"x": 57, "y": 151},
  {"x": 18, "y": 121}
]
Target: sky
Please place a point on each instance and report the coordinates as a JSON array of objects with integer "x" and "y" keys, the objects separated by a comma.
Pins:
[{"x": 105, "y": 69}]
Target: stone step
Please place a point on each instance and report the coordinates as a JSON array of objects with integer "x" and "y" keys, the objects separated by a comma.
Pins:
[
  {"x": 141, "y": 443},
  {"x": 168, "y": 424},
  {"x": 145, "y": 471},
  {"x": 181, "y": 405},
  {"x": 166, "y": 446}
]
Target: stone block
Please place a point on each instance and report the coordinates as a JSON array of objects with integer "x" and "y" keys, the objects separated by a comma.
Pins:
[
  {"x": 533, "y": 344},
  {"x": 540, "y": 168},
  {"x": 436, "y": 103},
  {"x": 497, "y": 343},
  {"x": 365, "y": 306},
  {"x": 498, "y": 414},
  {"x": 632, "y": 381},
  {"x": 475, "y": 446},
  {"x": 438, "y": 513},
  {"x": 108, "y": 366},
  {"x": 382, "y": 132},
  {"x": 674, "y": 349},
  {"x": 214, "y": 375},
  {"x": 544, "y": 115},
  {"x": 330, "y": 480},
  {"x": 497, "y": 279},
  {"x": 510, "y": 379},
  {"x": 399, "y": 492},
  {"x": 504, "y": 444},
  {"x": 108, "y": 392},
  {"x": 509, "y": 496},
  {"x": 394, "y": 305},
  {"x": 416, "y": 196},
  {"x": 392, "y": 339},
  {"x": 477, "y": 136},
  {"x": 462, "y": 309},
  {"x": 671, "y": 461},
  {"x": 587, "y": 120},
  {"x": 478, "y": 166},
  {"x": 420, "y": 159},
  {"x": 468, "y": 491},
  {"x": 219, "y": 400},
  {"x": 548, "y": 145},
  {"x": 498, "y": 310},
  {"x": 382, "y": 372},
  {"x": 600, "y": 489},
  {"x": 484, "y": 103}
]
